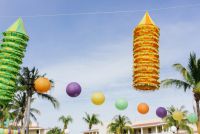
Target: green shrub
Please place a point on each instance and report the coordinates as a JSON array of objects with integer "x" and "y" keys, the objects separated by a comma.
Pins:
[{"x": 55, "y": 130}]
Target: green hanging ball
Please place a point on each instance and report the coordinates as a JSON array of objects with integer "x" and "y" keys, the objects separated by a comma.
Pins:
[
  {"x": 192, "y": 118},
  {"x": 121, "y": 104}
]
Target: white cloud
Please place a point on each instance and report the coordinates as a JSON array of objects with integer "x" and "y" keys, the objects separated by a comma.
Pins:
[{"x": 102, "y": 68}]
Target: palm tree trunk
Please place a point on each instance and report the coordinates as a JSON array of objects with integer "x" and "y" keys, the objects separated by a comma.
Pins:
[
  {"x": 196, "y": 97},
  {"x": 90, "y": 126},
  {"x": 198, "y": 114},
  {"x": 22, "y": 123},
  {"x": 64, "y": 128},
  {"x": 27, "y": 112}
]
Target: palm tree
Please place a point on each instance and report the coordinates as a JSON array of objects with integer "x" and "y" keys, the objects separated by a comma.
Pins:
[
  {"x": 120, "y": 125},
  {"x": 65, "y": 120},
  {"x": 5, "y": 114},
  {"x": 92, "y": 120},
  {"x": 55, "y": 130},
  {"x": 191, "y": 80},
  {"x": 18, "y": 107},
  {"x": 183, "y": 124},
  {"x": 25, "y": 83}
]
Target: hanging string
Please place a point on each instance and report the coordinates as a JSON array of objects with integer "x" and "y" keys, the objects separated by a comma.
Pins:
[{"x": 103, "y": 12}]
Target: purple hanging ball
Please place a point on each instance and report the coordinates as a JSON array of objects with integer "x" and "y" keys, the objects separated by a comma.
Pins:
[
  {"x": 73, "y": 89},
  {"x": 161, "y": 112}
]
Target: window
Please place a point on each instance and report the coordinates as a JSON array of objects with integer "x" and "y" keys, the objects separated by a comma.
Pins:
[
  {"x": 159, "y": 129},
  {"x": 137, "y": 131},
  {"x": 149, "y": 130}
]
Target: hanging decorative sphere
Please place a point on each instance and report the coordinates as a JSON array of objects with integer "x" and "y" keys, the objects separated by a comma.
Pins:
[
  {"x": 177, "y": 115},
  {"x": 161, "y": 112},
  {"x": 42, "y": 85},
  {"x": 98, "y": 98},
  {"x": 121, "y": 104},
  {"x": 192, "y": 118},
  {"x": 143, "y": 108},
  {"x": 73, "y": 89},
  {"x": 173, "y": 129}
]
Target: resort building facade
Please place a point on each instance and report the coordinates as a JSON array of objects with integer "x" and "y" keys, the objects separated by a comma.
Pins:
[
  {"x": 94, "y": 131},
  {"x": 152, "y": 126},
  {"x": 34, "y": 128}
]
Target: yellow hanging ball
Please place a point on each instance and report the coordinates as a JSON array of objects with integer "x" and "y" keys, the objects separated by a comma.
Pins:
[
  {"x": 177, "y": 115},
  {"x": 42, "y": 85},
  {"x": 98, "y": 98}
]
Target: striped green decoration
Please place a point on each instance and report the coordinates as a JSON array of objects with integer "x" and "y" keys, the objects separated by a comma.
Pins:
[
  {"x": 12, "y": 51},
  {"x": 1, "y": 130},
  {"x": 9, "y": 131}
]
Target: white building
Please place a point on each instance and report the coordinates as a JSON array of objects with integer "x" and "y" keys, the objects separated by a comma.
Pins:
[
  {"x": 94, "y": 131},
  {"x": 152, "y": 126},
  {"x": 34, "y": 128}
]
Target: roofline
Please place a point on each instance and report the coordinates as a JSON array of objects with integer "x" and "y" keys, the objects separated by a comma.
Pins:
[
  {"x": 143, "y": 125},
  {"x": 37, "y": 129},
  {"x": 93, "y": 130}
]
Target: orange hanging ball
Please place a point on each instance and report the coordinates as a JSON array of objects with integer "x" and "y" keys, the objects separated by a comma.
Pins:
[
  {"x": 143, "y": 108},
  {"x": 42, "y": 85}
]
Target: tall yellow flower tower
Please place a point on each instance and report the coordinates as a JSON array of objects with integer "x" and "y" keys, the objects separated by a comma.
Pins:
[{"x": 146, "y": 55}]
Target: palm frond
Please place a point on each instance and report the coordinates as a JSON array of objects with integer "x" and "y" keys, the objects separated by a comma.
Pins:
[
  {"x": 119, "y": 125},
  {"x": 193, "y": 67},
  {"x": 129, "y": 129},
  {"x": 92, "y": 120},
  {"x": 197, "y": 88},
  {"x": 61, "y": 118},
  {"x": 87, "y": 118},
  {"x": 184, "y": 73},
  {"x": 33, "y": 117},
  {"x": 34, "y": 110},
  {"x": 183, "y": 124},
  {"x": 176, "y": 83},
  {"x": 187, "y": 128},
  {"x": 53, "y": 100}
]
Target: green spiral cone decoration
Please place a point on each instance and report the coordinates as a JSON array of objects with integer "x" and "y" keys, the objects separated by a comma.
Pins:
[{"x": 12, "y": 51}]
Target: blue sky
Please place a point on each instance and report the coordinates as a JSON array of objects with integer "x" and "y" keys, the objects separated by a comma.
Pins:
[{"x": 96, "y": 51}]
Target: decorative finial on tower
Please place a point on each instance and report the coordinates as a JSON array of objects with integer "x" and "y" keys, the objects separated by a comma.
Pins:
[
  {"x": 146, "y": 20},
  {"x": 17, "y": 26}
]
